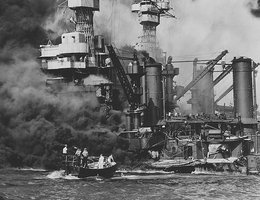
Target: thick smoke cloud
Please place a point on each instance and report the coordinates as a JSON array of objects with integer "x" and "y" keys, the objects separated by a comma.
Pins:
[
  {"x": 117, "y": 23},
  {"x": 255, "y": 7},
  {"x": 36, "y": 121},
  {"x": 21, "y": 22}
]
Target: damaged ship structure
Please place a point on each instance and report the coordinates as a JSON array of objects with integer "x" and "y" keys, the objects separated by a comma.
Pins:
[{"x": 206, "y": 139}]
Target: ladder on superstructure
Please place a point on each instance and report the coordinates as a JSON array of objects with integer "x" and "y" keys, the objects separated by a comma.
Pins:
[{"x": 127, "y": 87}]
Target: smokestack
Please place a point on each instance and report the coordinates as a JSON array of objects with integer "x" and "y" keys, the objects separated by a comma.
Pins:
[
  {"x": 202, "y": 100},
  {"x": 154, "y": 93},
  {"x": 169, "y": 72},
  {"x": 243, "y": 92}
]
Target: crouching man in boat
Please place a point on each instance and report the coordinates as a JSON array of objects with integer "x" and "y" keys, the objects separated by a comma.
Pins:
[
  {"x": 85, "y": 158},
  {"x": 110, "y": 160},
  {"x": 154, "y": 155}
]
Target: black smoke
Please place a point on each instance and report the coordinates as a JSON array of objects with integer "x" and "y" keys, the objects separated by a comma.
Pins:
[
  {"x": 21, "y": 24},
  {"x": 20, "y": 33},
  {"x": 255, "y": 8},
  {"x": 35, "y": 121}
]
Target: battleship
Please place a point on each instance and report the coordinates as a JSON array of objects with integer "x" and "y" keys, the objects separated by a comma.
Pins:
[{"x": 211, "y": 138}]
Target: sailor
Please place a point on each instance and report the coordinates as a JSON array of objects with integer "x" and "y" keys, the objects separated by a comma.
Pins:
[
  {"x": 78, "y": 154},
  {"x": 224, "y": 150},
  {"x": 154, "y": 154},
  {"x": 85, "y": 60},
  {"x": 65, "y": 154},
  {"x": 101, "y": 162},
  {"x": 108, "y": 62},
  {"x": 85, "y": 158},
  {"x": 110, "y": 160},
  {"x": 65, "y": 149}
]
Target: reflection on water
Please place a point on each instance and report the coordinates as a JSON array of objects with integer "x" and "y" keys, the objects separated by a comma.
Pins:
[{"x": 31, "y": 184}]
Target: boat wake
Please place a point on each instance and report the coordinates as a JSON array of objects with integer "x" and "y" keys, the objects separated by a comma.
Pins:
[
  {"x": 210, "y": 172},
  {"x": 56, "y": 174},
  {"x": 143, "y": 177},
  {"x": 145, "y": 172},
  {"x": 31, "y": 169},
  {"x": 61, "y": 175}
]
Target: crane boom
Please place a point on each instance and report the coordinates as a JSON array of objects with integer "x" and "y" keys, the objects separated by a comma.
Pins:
[
  {"x": 226, "y": 71},
  {"x": 209, "y": 67},
  {"x": 224, "y": 94},
  {"x": 127, "y": 87}
]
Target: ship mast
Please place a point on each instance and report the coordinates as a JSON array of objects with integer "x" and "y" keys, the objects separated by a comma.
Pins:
[
  {"x": 150, "y": 12},
  {"x": 84, "y": 12}
]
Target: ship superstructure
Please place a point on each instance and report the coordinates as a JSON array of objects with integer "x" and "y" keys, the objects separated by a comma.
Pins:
[
  {"x": 81, "y": 52},
  {"x": 149, "y": 13},
  {"x": 153, "y": 124},
  {"x": 204, "y": 139}
]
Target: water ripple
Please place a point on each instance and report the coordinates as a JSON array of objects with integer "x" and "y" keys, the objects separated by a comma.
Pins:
[{"x": 42, "y": 185}]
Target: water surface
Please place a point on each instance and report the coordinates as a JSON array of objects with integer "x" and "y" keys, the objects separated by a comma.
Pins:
[{"x": 37, "y": 184}]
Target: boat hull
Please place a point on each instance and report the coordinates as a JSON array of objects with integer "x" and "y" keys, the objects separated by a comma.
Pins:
[{"x": 104, "y": 172}]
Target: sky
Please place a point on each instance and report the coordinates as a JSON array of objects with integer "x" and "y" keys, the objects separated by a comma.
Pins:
[{"x": 204, "y": 28}]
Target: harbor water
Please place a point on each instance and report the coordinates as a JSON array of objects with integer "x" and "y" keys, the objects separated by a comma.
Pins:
[{"x": 39, "y": 184}]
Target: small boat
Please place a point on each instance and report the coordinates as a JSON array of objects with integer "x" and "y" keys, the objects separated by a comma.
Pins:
[
  {"x": 92, "y": 170},
  {"x": 177, "y": 166}
]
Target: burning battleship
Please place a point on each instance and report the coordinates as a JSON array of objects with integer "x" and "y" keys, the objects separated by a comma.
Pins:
[{"x": 206, "y": 139}]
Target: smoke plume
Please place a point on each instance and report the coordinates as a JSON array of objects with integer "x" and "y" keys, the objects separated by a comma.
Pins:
[
  {"x": 21, "y": 23},
  {"x": 117, "y": 23},
  {"x": 36, "y": 121},
  {"x": 255, "y": 7}
]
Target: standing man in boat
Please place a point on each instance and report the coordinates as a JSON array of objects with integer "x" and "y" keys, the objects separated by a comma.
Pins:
[
  {"x": 65, "y": 154},
  {"x": 101, "y": 162},
  {"x": 65, "y": 151},
  {"x": 78, "y": 154},
  {"x": 85, "y": 158}
]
